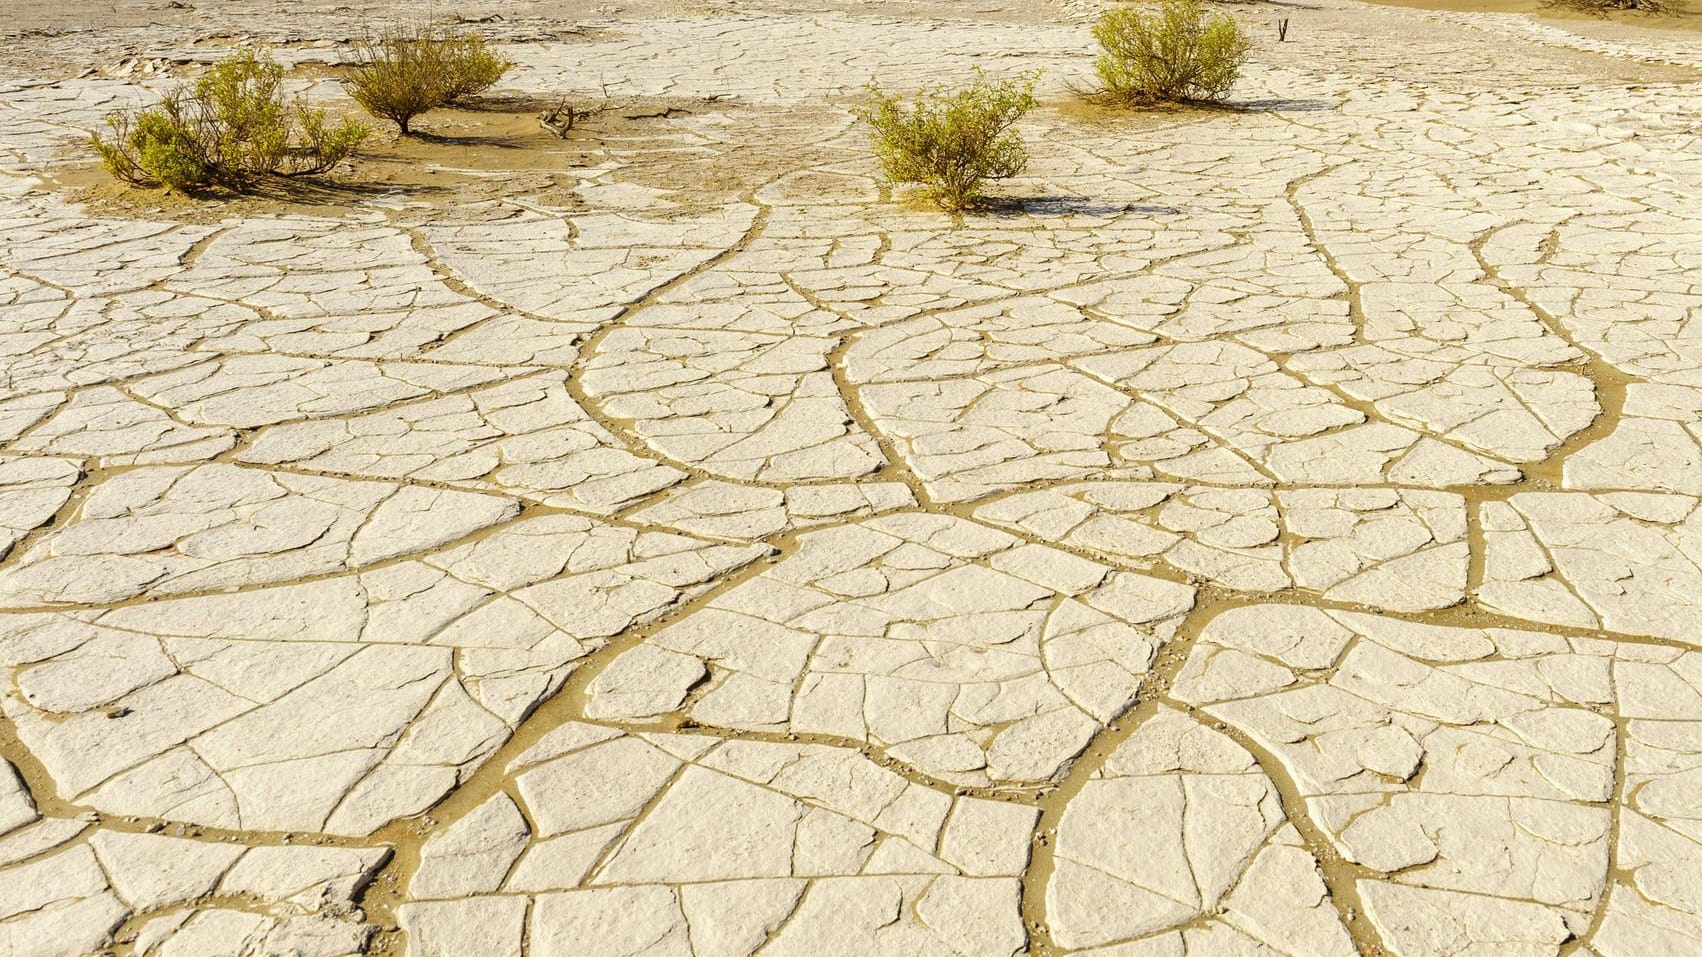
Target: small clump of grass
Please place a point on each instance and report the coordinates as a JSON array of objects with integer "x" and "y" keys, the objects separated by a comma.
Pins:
[
  {"x": 231, "y": 129},
  {"x": 1175, "y": 54},
  {"x": 950, "y": 142},
  {"x": 409, "y": 70}
]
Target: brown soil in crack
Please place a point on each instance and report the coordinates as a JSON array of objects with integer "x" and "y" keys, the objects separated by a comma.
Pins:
[{"x": 1340, "y": 876}]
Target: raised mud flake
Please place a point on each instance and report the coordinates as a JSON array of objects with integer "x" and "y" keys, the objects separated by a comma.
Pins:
[
  {"x": 510, "y": 340},
  {"x": 755, "y": 289},
  {"x": 1081, "y": 249},
  {"x": 341, "y": 704},
  {"x": 968, "y": 438},
  {"x": 1230, "y": 391},
  {"x": 62, "y": 247},
  {"x": 325, "y": 287},
  {"x": 1178, "y": 843},
  {"x": 862, "y": 288},
  {"x": 58, "y": 906},
  {"x": 1401, "y": 549},
  {"x": 165, "y": 530},
  {"x": 726, "y": 510},
  {"x": 1656, "y": 907},
  {"x": 474, "y": 855},
  {"x": 58, "y": 341},
  {"x": 739, "y": 405},
  {"x": 1469, "y": 769},
  {"x": 32, "y": 490},
  {"x": 307, "y": 757},
  {"x": 488, "y": 925},
  {"x": 1515, "y": 414},
  {"x": 1626, "y": 561},
  {"x": 62, "y": 896},
  {"x": 1378, "y": 453},
  {"x": 250, "y": 391},
  {"x": 176, "y": 897},
  {"x": 1227, "y": 536},
  {"x": 17, "y": 807},
  {"x": 1634, "y": 926},
  {"x": 1461, "y": 361},
  {"x": 20, "y": 413},
  {"x": 982, "y": 337},
  {"x": 1240, "y": 272},
  {"x": 1655, "y": 446},
  {"x": 1432, "y": 923},
  {"x": 691, "y": 845},
  {"x": 1235, "y": 417},
  {"x": 525, "y": 437},
  {"x": 563, "y": 581},
  {"x": 114, "y": 429},
  {"x": 960, "y": 650},
  {"x": 1637, "y": 310},
  {"x": 583, "y": 269}
]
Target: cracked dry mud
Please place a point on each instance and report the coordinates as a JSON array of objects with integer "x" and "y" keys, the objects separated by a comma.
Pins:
[{"x": 1268, "y": 531}]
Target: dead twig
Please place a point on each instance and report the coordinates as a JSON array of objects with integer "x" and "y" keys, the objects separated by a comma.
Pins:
[{"x": 561, "y": 119}]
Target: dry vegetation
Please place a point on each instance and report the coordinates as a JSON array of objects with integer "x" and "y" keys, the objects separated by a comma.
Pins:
[
  {"x": 950, "y": 142},
  {"x": 1604, "y": 7},
  {"x": 234, "y": 127},
  {"x": 230, "y": 130},
  {"x": 406, "y": 71},
  {"x": 1175, "y": 54}
]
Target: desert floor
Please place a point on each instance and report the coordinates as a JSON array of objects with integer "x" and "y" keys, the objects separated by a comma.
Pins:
[{"x": 1270, "y": 530}]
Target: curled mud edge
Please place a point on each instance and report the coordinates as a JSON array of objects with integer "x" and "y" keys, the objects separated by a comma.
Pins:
[{"x": 1339, "y": 875}]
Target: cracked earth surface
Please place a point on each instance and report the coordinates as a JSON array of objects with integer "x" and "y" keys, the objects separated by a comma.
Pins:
[{"x": 1273, "y": 531}]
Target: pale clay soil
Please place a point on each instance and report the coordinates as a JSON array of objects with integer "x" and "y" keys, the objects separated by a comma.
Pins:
[{"x": 1264, "y": 531}]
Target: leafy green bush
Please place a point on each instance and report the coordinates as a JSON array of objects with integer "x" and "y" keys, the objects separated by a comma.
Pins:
[
  {"x": 469, "y": 68},
  {"x": 407, "y": 71},
  {"x": 229, "y": 130},
  {"x": 1174, "y": 54},
  {"x": 951, "y": 141}
]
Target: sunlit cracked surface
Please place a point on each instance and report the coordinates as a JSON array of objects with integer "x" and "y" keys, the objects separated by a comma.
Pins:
[{"x": 1272, "y": 531}]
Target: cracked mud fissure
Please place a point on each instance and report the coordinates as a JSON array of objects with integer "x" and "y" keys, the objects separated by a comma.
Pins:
[{"x": 1269, "y": 529}]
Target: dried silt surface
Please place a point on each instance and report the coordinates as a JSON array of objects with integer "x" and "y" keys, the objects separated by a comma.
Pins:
[{"x": 1265, "y": 530}]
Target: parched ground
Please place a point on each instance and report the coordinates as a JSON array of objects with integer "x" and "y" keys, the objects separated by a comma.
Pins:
[{"x": 1265, "y": 531}]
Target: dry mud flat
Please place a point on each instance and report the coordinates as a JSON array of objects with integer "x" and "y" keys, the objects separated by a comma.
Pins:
[{"x": 1270, "y": 531}]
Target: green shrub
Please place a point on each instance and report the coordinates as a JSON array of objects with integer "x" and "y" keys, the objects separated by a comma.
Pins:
[
  {"x": 229, "y": 130},
  {"x": 951, "y": 142},
  {"x": 407, "y": 71},
  {"x": 1173, "y": 54},
  {"x": 469, "y": 68}
]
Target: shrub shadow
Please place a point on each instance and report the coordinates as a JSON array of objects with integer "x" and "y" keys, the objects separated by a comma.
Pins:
[
  {"x": 500, "y": 141},
  {"x": 1013, "y": 206},
  {"x": 1277, "y": 105},
  {"x": 305, "y": 192}
]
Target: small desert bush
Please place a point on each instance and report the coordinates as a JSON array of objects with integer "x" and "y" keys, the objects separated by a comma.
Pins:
[
  {"x": 950, "y": 142},
  {"x": 469, "y": 68},
  {"x": 1173, "y": 54},
  {"x": 1604, "y": 7},
  {"x": 230, "y": 129},
  {"x": 406, "y": 71}
]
